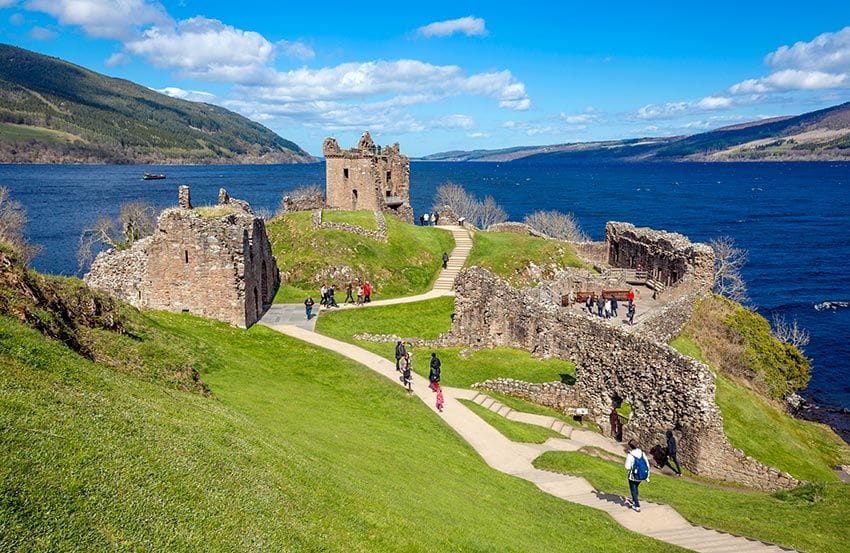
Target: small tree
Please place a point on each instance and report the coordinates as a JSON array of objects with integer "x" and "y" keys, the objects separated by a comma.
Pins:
[
  {"x": 135, "y": 220},
  {"x": 459, "y": 200},
  {"x": 728, "y": 262},
  {"x": 790, "y": 333},
  {"x": 13, "y": 219},
  {"x": 555, "y": 224},
  {"x": 490, "y": 213}
]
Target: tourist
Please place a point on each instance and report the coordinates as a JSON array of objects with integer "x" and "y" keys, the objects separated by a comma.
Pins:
[
  {"x": 422, "y": 220},
  {"x": 631, "y": 295},
  {"x": 406, "y": 377},
  {"x": 434, "y": 375},
  {"x": 600, "y": 305},
  {"x": 399, "y": 353},
  {"x": 349, "y": 297},
  {"x": 436, "y": 218},
  {"x": 671, "y": 453},
  {"x": 331, "y": 302},
  {"x": 433, "y": 219},
  {"x": 630, "y": 313},
  {"x": 614, "y": 306},
  {"x": 308, "y": 303},
  {"x": 323, "y": 295},
  {"x": 637, "y": 468},
  {"x": 359, "y": 295},
  {"x": 616, "y": 425},
  {"x": 571, "y": 298},
  {"x": 439, "y": 399},
  {"x": 607, "y": 309},
  {"x": 588, "y": 302},
  {"x": 426, "y": 219},
  {"x": 445, "y": 260},
  {"x": 367, "y": 292}
]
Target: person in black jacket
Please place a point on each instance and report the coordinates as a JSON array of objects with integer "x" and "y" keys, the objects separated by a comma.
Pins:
[
  {"x": 445, "y": 260},
  {"x": 671, "y": 453},
  {"x": 308, "y": 305},
  {"x": 399, "y": 353},
  {"x": 434, "y": 375}
]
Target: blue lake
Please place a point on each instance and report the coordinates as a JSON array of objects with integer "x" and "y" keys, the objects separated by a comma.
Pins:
[{"x": 794, "y": 218}]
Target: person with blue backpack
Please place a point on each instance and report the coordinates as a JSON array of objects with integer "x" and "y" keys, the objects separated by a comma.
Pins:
[{"x": 637, "y": 468}]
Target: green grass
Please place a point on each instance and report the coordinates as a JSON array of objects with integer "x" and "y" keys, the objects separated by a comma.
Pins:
[
  {"x": 804, "y": 449},
  {"x": 407, "y": 264},
  {"x": 10, "y": 132},
  {"x": 428, "y": 319},
  {"x": 810, "y": 518},
  {"x": 512, "y": 430},
  {"x": 298, "y": 450},
  {"x": 361, "y": 218},
  {"x": 507, "y": 254}
]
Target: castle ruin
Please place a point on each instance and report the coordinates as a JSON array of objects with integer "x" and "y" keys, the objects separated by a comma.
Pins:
[
  {"x": 212, "y": 261},
  {"x": 368, "y": 177}
]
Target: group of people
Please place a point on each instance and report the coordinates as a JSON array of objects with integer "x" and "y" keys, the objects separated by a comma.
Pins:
[
  {"x": 429, "y": 219},
  {"x": 607, "y": 308},
  {"x": 637, "y": 465},
  {"x": 403, "y": 365},
  {"x": 328, "y": 299}
]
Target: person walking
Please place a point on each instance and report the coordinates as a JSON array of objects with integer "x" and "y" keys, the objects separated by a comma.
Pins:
[
  {"x": 359, "y": 295},
  {"x": 436, "y": 218},
  {"x": 445, "y": 260},
  {"x": 367, "y": 292},
  {"x": 308, "y": 304},
  {"x": 434, "y": 374},
  {"x": 439, "y": 399},
  {"x": 631, "y": 295},
  {"x": 630, "y": 313},
  {"x": 349, "y": 297},
  {"x": 616, "y": 425},
  {"x": 331, "y": 299},
  {"x": 600, "y": 305},
  {"x": 614, "y": 306},
  {"x": 588, "y": 302},
  {"x": 637, "y": 469},
  {"x": 399, "y": 353},
  {"x": 607, "y": 309},
  {"x": 671, "y": 453},
  {"x": 406, "y": 375},
  {"x": 323, "y": 300}
]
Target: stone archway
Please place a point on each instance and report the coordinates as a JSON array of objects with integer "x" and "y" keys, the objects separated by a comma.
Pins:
[{"x": 354, "y": 199}]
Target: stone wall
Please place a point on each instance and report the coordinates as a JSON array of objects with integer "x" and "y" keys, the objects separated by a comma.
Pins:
[
  {"x": 667, "y": 257},
  {"x": 664, "y": 388},
  {"x": 515, "y": 228},
  {"x": 218, "y": 266},
  {"x": 307, "y": 202},
  {"x": 666, "y": 322},
  {"x": 555, "y": 395},
  {"x": 368, "y": 177},
  {"x": 380, "y": 234}
]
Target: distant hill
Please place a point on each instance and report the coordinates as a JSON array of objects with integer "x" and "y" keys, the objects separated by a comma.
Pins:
[
  {"x": 52, "y": 111},
  {"x": 815, "y": 136}
]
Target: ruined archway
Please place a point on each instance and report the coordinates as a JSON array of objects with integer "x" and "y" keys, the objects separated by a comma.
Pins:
[{"x": 354, "y": 199}]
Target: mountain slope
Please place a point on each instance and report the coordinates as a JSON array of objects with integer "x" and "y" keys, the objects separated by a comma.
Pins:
[
  {"x": 821, "y": 135},
  {"x": 55, "y": 111}
]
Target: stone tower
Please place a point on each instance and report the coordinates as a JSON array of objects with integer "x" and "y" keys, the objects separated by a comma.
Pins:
[
  {"x": 214, "y": 262},
  {"x": 368, "y": 177}
]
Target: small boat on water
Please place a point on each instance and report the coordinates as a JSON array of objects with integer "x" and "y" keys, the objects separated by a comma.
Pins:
[{"x": 153, "y": 176}]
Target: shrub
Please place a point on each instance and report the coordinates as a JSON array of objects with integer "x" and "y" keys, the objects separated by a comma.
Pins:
[{"x": 555, "y": 224}]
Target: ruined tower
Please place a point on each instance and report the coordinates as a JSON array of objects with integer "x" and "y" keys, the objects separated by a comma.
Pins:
[
  {"x": 212, "y": 261},
  {"x": 368, "y": 177}
]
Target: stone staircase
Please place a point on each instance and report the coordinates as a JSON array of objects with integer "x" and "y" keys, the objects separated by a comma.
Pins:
[
  {"x": 552, "y": 423},
  {"x": 463, "y": 245}
]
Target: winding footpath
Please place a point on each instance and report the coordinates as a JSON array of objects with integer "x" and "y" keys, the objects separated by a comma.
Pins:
[{"x": 657, "y": 521}]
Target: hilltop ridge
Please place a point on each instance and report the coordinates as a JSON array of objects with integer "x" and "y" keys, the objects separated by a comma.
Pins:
[{"x": 52, "y": 111}]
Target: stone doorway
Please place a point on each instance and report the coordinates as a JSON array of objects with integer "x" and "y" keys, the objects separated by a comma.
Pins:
[{"x": 354, "y": 200}]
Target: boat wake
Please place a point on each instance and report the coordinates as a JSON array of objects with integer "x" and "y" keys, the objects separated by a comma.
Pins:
[{"x": 832, "y": 305}]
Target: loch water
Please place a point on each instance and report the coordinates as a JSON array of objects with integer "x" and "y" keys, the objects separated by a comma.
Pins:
[{"x": 793, "y": 218}]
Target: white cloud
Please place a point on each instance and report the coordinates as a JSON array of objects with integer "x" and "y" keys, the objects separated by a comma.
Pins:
[
  {"x": 104, "y": 18},
  {"x": 714, "y": 102},
  {"x": 42, "y": 33},
  {"x": 476, "y": 135},
  {"x": 205, "y": 48},
  {"x": 118, "y": 58},
  {"x": 822, "y": 63},
  {"x": 191, "y": 95},
  {"x": 470, "y": 26},
  {"x": 453, "y": 122},
  {"x": 671, "y": 110},
  {"x": 581, "y": 120},
  {"x": 296, "y": 49},
  {"x": 16, "y": 18}
]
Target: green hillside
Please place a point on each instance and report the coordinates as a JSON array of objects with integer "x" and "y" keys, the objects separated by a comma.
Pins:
[{"x": 55, "y": 111}]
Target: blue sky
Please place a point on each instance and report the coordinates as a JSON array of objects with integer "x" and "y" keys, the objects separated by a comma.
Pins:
[{"x": 461, "y": 75}]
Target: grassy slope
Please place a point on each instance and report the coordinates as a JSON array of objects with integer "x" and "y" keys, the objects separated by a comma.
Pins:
[
  {"x": 407, "y": 264},
  {"x": 512, "y": 430},
  {"x": 508, "y": 254},
  {"x": 804, "y": 449},
  {"x": 429, "y": 319},
  {"x": 361, "y": 218},
  {"x": 789, "y": 518},
  {"x": 96, "y": 459},
  {"x": 24, "y": 133}
]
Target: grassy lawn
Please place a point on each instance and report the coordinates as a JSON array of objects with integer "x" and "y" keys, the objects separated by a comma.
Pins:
[
  {"x": 804, "y": 449},
  {"x": 408, "y": 263},
  {"x": 508, "y": 254},
  {"x": 362, "y": 218},
  {"x": 512, "y": 430},
  {"x": 810, "y": 518},
  {"x": 298, "y": 450},
  {"x": 10, "y": 132},
  {"x": 428, "y": 319}
]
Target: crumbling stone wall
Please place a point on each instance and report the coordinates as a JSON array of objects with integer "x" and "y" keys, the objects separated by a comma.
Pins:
[
  {"x": 220, "y": 267},
  {"x": 515, "y": 228},
  {"x": 665, "y": 389},
  {"x": 667, "y": 257},
  {"x": 368, "y": 177},
  {"x": 380, "y": 232},
  {"x": 307, "y": 202},
  {"x": 666, "y": 322}
]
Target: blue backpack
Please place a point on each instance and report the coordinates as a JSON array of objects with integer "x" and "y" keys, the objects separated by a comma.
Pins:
[{"x": 640, "y": 469}]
